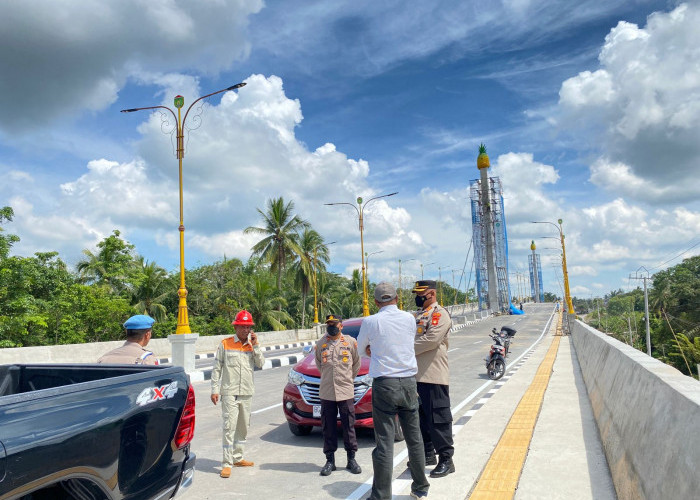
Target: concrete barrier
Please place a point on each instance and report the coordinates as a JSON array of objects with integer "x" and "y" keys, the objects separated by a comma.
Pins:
[
  {"x": 647, "y": 414},
  {"x": 88, "y": 353}
]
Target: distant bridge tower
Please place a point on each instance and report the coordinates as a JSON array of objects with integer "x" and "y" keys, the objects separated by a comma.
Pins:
[
  {"x": 489, "y": 236},
  {"x": 535, "y": 275}
]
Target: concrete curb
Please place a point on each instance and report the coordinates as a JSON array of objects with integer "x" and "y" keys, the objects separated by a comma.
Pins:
[{"x": 201, "y": 375}]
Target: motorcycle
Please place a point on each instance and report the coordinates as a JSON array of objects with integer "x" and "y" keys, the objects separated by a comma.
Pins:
[
  {"x": 496, "y": 361},
  {"x": 507, "y": 333}
]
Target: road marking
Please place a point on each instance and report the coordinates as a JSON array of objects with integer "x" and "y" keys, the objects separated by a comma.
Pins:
[
  {"x": 500, "y": 476},
  {"x": 478, "y": 342},
  {"x": 265, "y": 409},
  {"x": 454, "y": 349}
]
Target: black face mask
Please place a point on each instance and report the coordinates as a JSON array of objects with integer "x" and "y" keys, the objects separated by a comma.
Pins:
[
  {"x": 420, "y": 300},
  {"x": 332, "y": 330}
]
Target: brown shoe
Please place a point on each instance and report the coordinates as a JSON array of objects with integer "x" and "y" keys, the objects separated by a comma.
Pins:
[
  {"x": 225, "y": 472},
  {"x": 243, "y": 463}
]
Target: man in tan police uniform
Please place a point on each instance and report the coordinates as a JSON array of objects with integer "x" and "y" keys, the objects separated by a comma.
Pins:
[
  {"x": 138, "y": 334},
  {"x": 232, "y": 378},
  {"x": 433, "y": 325},
  {"x": 338, "y": 361}
]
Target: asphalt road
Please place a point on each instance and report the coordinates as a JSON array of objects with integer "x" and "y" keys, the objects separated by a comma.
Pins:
[{"x": 287, "y": 466}]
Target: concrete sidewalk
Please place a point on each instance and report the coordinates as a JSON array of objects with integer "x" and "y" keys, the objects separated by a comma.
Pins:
[{"x": 565, "y": 457}]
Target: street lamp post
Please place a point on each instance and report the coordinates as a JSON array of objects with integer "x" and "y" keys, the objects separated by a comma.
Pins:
[
  {"x": 360, "y": 208},
  {"x": 183, "y": 323},
  {"x": 440, "y": 281},
  {"x": 567, "y": 292},
  {"x": 316, "y": 283},
  {"x": 421, "y": 268},
  {"x": 367, "y": 260},
  {"x": 400, "y": 299}
]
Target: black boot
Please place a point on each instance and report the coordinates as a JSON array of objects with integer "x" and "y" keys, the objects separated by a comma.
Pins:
[
  {"x": 353, "y": 466},
  {"x": 329, "y": 465},
  {"x": 444, "y": 467}
]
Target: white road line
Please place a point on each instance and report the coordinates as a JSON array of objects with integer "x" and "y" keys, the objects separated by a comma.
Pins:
[
  {"x": 265, "y": 409},
  {"x": 454, "y": 349},
  {"x": 478, "y": 342}
]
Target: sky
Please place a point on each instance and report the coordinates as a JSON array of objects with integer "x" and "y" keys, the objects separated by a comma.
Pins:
[{"x": 590, "y": 112}]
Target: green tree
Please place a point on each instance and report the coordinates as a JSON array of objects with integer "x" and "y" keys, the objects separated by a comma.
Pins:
[
  {"x": 6, "y": 241},
  {"x": 280, "y": 230},
  {"x": 111, "y": 266},
  {"x": 314, "y": 254},
  {"x": 264, "y": 302},
  {"x": 150, "y": 290}
]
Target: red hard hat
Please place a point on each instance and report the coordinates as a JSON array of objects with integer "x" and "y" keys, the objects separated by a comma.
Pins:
[{"x": 243, "y": 318}]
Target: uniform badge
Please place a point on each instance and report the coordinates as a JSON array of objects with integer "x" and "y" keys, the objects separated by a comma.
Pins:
[
  {"x": 345, "y": 360},
  {"x": 324, "y": 345},
  {"x": 436, "y": 318},
  {"x": 419, "y": 329}
]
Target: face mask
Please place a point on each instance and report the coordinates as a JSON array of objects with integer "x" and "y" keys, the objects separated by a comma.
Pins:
[
  {"x": 420, "y": 300},
  {"x": 332, "y": 330}
]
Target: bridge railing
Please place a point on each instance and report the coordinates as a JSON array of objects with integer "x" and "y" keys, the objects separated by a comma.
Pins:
[{"x": 647, "y": 413}]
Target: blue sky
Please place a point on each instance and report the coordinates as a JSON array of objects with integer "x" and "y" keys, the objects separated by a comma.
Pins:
[{"x": 590, "y": 111}]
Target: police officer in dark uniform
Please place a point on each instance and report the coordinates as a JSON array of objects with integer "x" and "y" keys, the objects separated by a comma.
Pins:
[
  {"x": 433, "y": 325},
  {"x": 138, "y": 334}
]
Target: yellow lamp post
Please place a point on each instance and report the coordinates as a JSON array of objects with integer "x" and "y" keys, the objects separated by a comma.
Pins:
[
  {"x": 399, "y": 293},
  {"x": 359, "y": 208},
  {"x": 367, "y": 261},
  {"x": 316, "y": 283},
  {"x": 421, "y": 268},
  {"x": 567, "y": 292},
  {"x": 440, "y": 281},
  {"x": 183, "y": 323}
]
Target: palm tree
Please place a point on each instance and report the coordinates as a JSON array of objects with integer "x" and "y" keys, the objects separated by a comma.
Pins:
[
  {"x": 314, "y": 254},
  {"x": 280, "y": 231},
  {"x": 261, "y": 301},
  {"x": 151, "y": 290},
  {"x": 329, "y": 293}
]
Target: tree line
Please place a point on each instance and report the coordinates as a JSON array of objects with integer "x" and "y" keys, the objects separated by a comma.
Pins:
[
  {"x": 44, "y": 302},
  {"x": 674, "y": 315}
]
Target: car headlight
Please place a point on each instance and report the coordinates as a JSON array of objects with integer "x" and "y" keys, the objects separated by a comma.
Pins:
[
  {"x": 295, "y": 378},
  {"x": 366, "y": 380}
]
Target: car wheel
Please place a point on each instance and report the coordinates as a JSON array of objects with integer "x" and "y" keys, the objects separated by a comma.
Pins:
[{"x": 300, "y": 430}]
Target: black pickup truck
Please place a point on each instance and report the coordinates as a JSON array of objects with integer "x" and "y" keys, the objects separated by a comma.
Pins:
[{"x": 95, "y": 432}]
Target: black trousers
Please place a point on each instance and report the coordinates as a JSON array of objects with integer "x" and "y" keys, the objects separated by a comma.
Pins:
[
  {"x": 329, "y": 424},
  {"x": 436, "y": 419}
]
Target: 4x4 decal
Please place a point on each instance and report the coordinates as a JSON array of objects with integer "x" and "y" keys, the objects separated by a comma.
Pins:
[{"x": 152, "y": 394}]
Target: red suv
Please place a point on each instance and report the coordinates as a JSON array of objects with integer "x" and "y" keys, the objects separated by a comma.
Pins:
[{"x": 300, "y": 400}]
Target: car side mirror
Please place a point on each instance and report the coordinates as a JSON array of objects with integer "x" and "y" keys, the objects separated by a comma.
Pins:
[{"x": 308, "y": 349}]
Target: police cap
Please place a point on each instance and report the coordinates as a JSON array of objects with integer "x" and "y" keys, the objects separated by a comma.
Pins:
[
  {"x": 333, "y": 318},
  {"x": 423, "y": 285},
  {"x": 139, "y": 322}
]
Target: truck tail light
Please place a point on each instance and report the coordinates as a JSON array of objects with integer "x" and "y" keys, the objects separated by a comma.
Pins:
[{"x": 185, "y": 429}]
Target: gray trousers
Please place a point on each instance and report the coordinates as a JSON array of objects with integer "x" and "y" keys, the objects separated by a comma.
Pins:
[
  {"x": 391, "y": 397},
  {"x": 236, "y": 413}
]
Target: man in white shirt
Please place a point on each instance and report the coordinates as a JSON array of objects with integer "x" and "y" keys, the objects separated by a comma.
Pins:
[{"x": 388, "y": 338}]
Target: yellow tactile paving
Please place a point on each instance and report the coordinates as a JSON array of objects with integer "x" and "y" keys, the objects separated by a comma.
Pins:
[{"x": 500, "y": 477}]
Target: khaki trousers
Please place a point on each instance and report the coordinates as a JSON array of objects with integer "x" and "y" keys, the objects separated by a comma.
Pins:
[{"x": 236, "y": 413}]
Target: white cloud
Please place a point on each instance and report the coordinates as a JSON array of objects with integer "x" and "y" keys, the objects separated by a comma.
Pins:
[
  {"x": 643, "y": 105},
  {"x": 60, "y": 57}
]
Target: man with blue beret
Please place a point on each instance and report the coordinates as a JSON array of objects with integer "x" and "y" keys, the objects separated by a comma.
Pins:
[{"x": 138, "y": 334}]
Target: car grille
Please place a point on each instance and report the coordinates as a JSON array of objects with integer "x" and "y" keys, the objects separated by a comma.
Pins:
[{"x": 311, "y": 386}]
